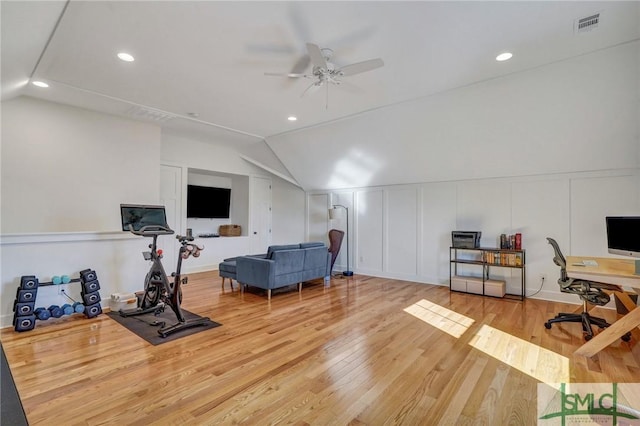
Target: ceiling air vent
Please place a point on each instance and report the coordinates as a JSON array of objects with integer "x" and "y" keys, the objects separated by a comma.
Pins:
[
  {"x": 586, "y": 24},
  {"x": 149, "y": 114}
]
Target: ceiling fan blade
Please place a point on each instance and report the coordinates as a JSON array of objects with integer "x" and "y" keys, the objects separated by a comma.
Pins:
[
  {"x": 284, "y": 74},
  {"x": 312, "y": 88},
  {"x": 300, "y": 65},
  {"x": 363, "y": 66},
  {"x": 317, "y": 58}
]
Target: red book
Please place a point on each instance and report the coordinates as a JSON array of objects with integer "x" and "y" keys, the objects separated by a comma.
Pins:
[{"x": 518, "y": 242}]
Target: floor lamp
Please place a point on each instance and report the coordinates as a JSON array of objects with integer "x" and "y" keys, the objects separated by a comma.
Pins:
[{"x": 332, "y": 213}]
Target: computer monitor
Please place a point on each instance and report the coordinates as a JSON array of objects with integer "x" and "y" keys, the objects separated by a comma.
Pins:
[
  {"x": 623, "y": 235},
  {"x": 139, "y": 215}
]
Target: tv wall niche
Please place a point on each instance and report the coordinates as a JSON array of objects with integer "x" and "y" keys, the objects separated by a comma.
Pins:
[{"x": 214, "y": 199}]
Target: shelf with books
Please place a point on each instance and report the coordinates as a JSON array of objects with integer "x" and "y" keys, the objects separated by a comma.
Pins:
[{"x": 486, "y": 258}]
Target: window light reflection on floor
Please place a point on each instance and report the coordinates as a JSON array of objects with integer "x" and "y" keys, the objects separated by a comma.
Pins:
[
  {"x": 440, "y": 317},
  {"x": 533, "y": 360}
]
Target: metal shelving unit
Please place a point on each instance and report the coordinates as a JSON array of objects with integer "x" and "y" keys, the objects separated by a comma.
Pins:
[{"x": 488, "y": 258}]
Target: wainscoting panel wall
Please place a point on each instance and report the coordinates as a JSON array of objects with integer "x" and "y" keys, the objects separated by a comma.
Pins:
[
  {"x": 540, "y": 209},
  {"x": 370, "y": 243},
  {"x": 438, "y": 220},
  {"x": 401, "y": 230},
  {"x": 485, "y": 206},
  {"x": 318, "y": 226},
  {"x": 568, "y": 207},
  {"x": 340, "y": 222},
  {"x": 591, "y": 201}
]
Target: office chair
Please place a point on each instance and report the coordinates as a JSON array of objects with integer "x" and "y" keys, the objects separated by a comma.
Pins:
[
  {"x": 589, "y": 291},
  {"x": 335, "y": 241}
]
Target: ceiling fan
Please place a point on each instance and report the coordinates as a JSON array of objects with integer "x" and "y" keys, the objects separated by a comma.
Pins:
[{"x": 324, "y": 72}]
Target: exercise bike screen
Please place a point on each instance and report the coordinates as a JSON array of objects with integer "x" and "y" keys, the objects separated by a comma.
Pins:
[{"x": 140, "y": 215}]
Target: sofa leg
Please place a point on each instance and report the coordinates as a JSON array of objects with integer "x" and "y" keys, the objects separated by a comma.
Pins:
[
  {"x": 299, "y": 287},
  {"x": 230, "y": 283},
  {"x": 269, "y": 294}
]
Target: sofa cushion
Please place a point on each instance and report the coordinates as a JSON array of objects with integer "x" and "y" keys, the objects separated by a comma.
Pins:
[
  {"x": 288, "y": 261},
  {"x": 312, "y": 244},
  {"x": 228, "y": 268},
  {"x": 317, "y": 261},
  {"x": 273, "y": 249},
  {"x": 315, "y": 257}
]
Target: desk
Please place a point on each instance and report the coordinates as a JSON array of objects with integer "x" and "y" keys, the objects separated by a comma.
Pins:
[{"x": 611, "y": 271}]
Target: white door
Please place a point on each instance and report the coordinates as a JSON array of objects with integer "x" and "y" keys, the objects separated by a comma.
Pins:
[
  {"x": 260, "y": 214},
  {"x": 171, "y": 198}
]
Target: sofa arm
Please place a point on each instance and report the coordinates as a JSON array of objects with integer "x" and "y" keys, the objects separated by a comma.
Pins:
[{"x": 255, "y": 271}]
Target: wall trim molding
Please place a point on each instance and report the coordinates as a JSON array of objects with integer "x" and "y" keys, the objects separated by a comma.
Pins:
[{"x": 63, "y": 237}]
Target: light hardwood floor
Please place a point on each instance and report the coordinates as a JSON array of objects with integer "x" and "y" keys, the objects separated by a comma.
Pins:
[{"x": 357, "y": 352}]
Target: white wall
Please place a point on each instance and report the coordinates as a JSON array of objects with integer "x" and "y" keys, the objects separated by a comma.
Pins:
[
  {"x": 287, "y": 199},
  {"x": 548, "y": 153},
  {"x": 65, "y": 169},
  {"x": 575, "y": 115},
  {"x": 404, "y": 231},
  {"x": 64, "y": 173},
  {"x": 287, "y": 218}
]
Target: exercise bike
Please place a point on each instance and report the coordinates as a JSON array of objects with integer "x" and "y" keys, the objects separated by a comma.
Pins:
[{"x": 159, "y": 291}]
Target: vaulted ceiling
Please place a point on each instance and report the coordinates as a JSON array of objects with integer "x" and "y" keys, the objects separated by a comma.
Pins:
[{"x": 200, "y": 66}]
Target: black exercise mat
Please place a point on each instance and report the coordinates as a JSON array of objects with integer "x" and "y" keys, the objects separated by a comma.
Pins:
[
  {"x": 141, "y": 325},
  {"x": 11, "y": 411}
]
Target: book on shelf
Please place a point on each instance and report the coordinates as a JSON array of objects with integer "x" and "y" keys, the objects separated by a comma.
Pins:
[{"x": 511, "y": 242}]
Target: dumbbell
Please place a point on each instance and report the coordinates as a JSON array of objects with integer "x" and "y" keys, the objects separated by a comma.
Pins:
[
  {"x": 25, "y": 323},
  {"x": 56, "y": 311},
  {"x": 78, "y": 307},
  {"x": 91, "y": 298},
  {"x": 87, "y": 275},
  {"x": 67, "y": 309},
  {"x": 64, "y": 279},
  {"x": 28, "y": 282},
  {"x": 93, "y": 310},
  {"x": 26, "y": 296},
  {"x": 42, "y": 314},
  {"x": 22, "y": 309}
]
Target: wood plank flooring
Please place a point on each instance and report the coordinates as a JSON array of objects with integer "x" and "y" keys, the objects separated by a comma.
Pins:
[{"x": 347, "y": 354}]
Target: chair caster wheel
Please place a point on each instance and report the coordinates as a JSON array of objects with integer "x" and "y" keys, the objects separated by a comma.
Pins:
[
  {"x": 547, "y": 325},
  {"x": 588, "y": 337},
  {"x": 626, "y": 337}
]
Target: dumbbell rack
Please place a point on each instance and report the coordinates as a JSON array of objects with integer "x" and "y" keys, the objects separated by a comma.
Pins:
[{"x": 25, "y": 316}]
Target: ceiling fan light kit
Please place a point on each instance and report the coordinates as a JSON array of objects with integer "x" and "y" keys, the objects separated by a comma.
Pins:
[{"x": 325, "y": 72}]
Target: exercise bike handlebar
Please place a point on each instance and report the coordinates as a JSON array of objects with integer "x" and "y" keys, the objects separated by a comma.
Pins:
[{"x": 151, "y": 230}]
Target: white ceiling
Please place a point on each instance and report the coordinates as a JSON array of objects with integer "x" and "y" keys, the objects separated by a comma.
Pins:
[{"x": 210, "y": 57}]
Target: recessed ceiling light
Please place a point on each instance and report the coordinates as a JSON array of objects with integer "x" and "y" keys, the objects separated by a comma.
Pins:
[
  {"x": 504, "y": 56},
  {"x": 292, "y": 118},
  {"x": 40, "y": 83},
  {"x": 126, "y": 57}
]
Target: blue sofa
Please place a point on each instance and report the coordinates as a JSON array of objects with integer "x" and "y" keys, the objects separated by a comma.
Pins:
[{"x": 281, "y": 266}]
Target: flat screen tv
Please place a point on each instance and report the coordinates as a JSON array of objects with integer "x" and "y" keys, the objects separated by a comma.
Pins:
[
  {"x": 208, "y": 202},
  {"x": 139, "y": 215},
  {"x": 623, "y": 235}
]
